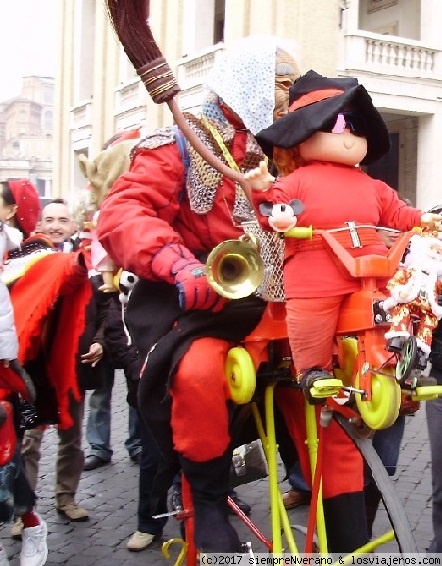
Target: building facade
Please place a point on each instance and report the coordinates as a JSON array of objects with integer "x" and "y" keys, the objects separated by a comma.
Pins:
[
  {"x": 394, "y": 48},
  {"x": 26, "y": 134}
]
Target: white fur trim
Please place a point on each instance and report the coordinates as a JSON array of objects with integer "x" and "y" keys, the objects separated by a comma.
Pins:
[
  {"x": 396, "y": 334},
  {"x": 389, "y": 303}
]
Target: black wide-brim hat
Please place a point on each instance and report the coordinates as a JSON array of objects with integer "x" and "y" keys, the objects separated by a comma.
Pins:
[{"x": 315, "y": 101}]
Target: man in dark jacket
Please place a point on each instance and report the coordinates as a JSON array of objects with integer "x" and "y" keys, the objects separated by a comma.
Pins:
[{"x": 123, "y": 354}]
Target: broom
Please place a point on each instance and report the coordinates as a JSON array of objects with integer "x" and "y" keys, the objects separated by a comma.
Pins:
[{"x": 129, "y": 18}]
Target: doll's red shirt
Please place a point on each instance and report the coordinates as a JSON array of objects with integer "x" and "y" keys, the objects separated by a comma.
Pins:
[{"x": 332, "y": 195}]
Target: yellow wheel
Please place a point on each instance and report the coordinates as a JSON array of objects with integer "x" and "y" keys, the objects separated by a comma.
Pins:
[
  {"x": 383, "y": 409},
  {"x": 240, "y": 375}
]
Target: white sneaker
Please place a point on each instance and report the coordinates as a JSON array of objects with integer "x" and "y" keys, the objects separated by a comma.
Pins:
[
  {"x": 34, "y": 550},
  {"x": 4, "y": 560}
]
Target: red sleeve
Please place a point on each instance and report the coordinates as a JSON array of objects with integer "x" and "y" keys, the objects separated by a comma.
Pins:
[
  {"x": 137, "y": 216},
  {"x": 395, "y": 213}
]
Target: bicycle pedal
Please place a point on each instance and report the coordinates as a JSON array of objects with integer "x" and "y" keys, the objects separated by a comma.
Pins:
[{"x": 325, "y": 388}]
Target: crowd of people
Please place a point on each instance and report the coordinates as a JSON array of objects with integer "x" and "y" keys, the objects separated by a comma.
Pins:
[{"x": 162, "y": 210}]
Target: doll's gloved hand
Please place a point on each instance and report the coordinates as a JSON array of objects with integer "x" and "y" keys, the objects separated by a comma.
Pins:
[{"x": 260, "y": 178}]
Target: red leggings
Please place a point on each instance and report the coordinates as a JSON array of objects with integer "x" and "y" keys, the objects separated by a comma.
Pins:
[
  {"x": 200, "y": 420},
  {"x": 311, "y": 326}
]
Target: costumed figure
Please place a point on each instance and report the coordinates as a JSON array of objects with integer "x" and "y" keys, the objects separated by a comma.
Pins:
[
  {"x": 60, "y": 323},
  {"x": 413, "y": 302},
  {"x": 160, "y": 221},
  {"x": 330, "y": 130},
  {"x": 101, "y": 173},
  {"x": 37, "y": 277}
]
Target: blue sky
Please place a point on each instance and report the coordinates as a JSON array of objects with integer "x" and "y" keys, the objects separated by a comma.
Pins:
[{"x": 28, "y": 42}]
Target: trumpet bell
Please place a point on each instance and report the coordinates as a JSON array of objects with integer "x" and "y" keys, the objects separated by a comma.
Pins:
[{"x": 235, "y": 269}]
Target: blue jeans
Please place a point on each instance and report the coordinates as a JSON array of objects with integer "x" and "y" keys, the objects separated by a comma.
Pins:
[
  {"x": 98, "y": 426},
  {"x": 16, "y": 495},
  {"x": 296, "y": 479},
  {"x": 386, "y": 442}
]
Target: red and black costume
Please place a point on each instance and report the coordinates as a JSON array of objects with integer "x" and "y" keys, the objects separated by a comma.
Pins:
[
  {"x": 150, "y": 209},
  {"x": 160, "y": 221},
  {"x": 52, "y": 299}
]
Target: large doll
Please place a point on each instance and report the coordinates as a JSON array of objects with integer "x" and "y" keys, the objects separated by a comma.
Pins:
[{"x": 330, "y": 130}]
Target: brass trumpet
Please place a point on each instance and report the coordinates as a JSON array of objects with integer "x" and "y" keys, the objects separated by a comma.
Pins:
[{"x": 235, "y": 268}]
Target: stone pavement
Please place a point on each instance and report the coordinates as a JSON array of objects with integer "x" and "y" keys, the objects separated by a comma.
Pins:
[{"x": 110, "y": 494}]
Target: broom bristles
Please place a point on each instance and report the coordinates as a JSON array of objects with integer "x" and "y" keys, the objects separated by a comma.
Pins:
[{"x": 129, "y": 20}]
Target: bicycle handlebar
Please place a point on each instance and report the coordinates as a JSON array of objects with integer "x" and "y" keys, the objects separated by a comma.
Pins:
[{"x": 371, "y": 265}]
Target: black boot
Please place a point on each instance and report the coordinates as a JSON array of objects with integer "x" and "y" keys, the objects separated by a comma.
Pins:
[
  {"x": 209, "y": 486},
  {"x": 308, "y": 379},
  {"x": 345, "y": 522}
]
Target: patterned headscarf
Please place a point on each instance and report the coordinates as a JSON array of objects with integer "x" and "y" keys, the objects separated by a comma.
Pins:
[{"x": 244, "y": 78}]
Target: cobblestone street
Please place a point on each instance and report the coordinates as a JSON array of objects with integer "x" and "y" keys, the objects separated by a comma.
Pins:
[{"x": 110, "y": 494}]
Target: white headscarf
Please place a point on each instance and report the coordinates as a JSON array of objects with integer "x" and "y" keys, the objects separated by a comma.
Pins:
[{"x": 243, "y": 76}]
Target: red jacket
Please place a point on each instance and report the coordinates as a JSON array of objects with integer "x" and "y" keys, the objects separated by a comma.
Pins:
[{"x": 148, "y": 208}]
